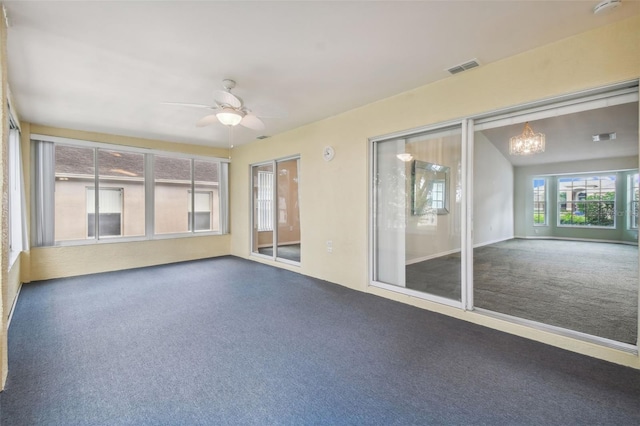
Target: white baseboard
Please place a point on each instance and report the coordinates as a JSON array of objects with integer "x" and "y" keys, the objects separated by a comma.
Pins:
[
  {"x": 13, "y": 305},
  {"x": 499, "y": 240},
  {"x": 586, "y": 240},
  {"x": 431, "y": 256}
]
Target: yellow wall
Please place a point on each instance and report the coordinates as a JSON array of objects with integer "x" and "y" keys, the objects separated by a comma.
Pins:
[
  {"x": 54, "y": 262},
  {"x": 334, "y": 195}
]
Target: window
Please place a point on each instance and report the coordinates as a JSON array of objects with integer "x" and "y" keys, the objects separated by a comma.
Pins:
[
  {"x": 139, "y": 194},
  {"x": 175, "y": 200},
  {"x": 539, "y": 202},
  {"x": 202, "y": 206},
  {"x": 122, "y": 193},
  {"x": 264, "y": 202},
  {"x": 437, "y": 194},
  {"x": 110, "y": 217},
  {"x": 74, "y": 171},
  {"x": 205, "y": 201},
  {"x": 587, "y": 201},
  {"x": 75, "y": 201},
  {"x": 17, "y": 222},
  {"x": 634, "y": 197},
  {"x": 172, "y": 182}
]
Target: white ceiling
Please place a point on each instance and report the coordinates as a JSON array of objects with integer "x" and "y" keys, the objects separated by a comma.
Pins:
[{"x": 108, "y": 66}]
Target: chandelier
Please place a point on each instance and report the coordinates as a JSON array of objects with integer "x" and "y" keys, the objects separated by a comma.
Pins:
[{"x": 527, "y": 143}]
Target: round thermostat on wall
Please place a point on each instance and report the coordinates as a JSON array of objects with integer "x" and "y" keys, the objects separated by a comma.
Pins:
[{"x": 328, "y": 153}]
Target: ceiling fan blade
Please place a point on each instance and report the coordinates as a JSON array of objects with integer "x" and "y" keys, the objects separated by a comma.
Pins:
[
  {"x": 250, "y": 121},
  {"x": 223, "y": 97},
  {"x": 189, "y": 105},
  {"x": 206, "y": 120}
]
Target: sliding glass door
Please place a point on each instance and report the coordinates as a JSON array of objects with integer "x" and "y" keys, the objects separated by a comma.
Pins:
[
  {"x": 479, "y": 217},
  {"x": 555, "y": 232},
  {"x": 418, "y": 213},
  {"x": 275, "y": 225}
]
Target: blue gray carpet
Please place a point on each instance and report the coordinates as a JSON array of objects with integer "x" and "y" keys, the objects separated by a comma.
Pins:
[{"x": 230, "y": 341}]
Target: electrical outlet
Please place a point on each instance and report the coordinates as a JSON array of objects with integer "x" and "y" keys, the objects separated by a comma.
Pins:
[{"x": 329, "y": 245}]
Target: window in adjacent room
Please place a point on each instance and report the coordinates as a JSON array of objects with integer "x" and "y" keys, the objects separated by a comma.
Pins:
[
  {"x": 587, "y": 201},
  {"x": 634, "y": 197},
  {"x": 264, "y": 202},
  {"x": 539, "y": 202}
]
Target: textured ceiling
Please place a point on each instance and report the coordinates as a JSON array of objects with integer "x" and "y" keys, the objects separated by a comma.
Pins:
[{"x": 108, "y": 66}]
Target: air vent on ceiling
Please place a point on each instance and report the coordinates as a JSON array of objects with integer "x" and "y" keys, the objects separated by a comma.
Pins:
[
  {"x": 604, "y": 137},
  {"x": 463, "y": 67},
  {"x": 262, "y": 137}
]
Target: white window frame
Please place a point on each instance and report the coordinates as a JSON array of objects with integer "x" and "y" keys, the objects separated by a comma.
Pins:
[
  {"x": 273, "y": 214},
  {"x": 585, "y": 176},
  {"x": 16, "y": 200},
  {"x": 223, "y": 193}
]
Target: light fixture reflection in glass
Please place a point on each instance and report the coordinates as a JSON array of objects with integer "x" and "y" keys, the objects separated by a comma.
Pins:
[
  {"x": 527, "y": 143},
  {"x": 230, "y": 116},
  {"x": 405, "y": 156}
]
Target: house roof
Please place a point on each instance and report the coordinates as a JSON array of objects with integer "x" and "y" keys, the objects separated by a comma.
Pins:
[{"x": 78, "y": 161}]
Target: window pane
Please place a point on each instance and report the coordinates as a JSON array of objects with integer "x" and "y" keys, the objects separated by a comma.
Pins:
[
  {"x": 16, "y": 191},
  {"x": 265, "y": 200},
  {"x": 593, "y": 201},
  {"x": 75, "y": 171},
  {"x": 121, "y": 196},
  {"x": 172, "y": 178},
  {"x": 634, "y": 197},
  {"x": 288, "y": 238},
  {"x": 418, "y": 212},
  {"x": 207, "y": 197},
  {"x": 539, "y": 202},
  {"x": 110, "y": 217},
  {"x": 262, "y": 204}
]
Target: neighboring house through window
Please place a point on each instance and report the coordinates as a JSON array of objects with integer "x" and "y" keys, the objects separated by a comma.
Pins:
[{"x": 140, "y": 194}]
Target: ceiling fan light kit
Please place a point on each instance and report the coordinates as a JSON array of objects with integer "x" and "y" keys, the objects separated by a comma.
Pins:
[{"x": 230, "y": 117}]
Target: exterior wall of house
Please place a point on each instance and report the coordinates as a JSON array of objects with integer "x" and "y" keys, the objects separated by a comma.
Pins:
[
  {"x": 336, "y": 206},
  {"x": 72, "y": 223}
]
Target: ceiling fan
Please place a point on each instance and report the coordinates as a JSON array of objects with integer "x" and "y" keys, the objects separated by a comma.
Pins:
[{"x": 228, "y": 109}]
